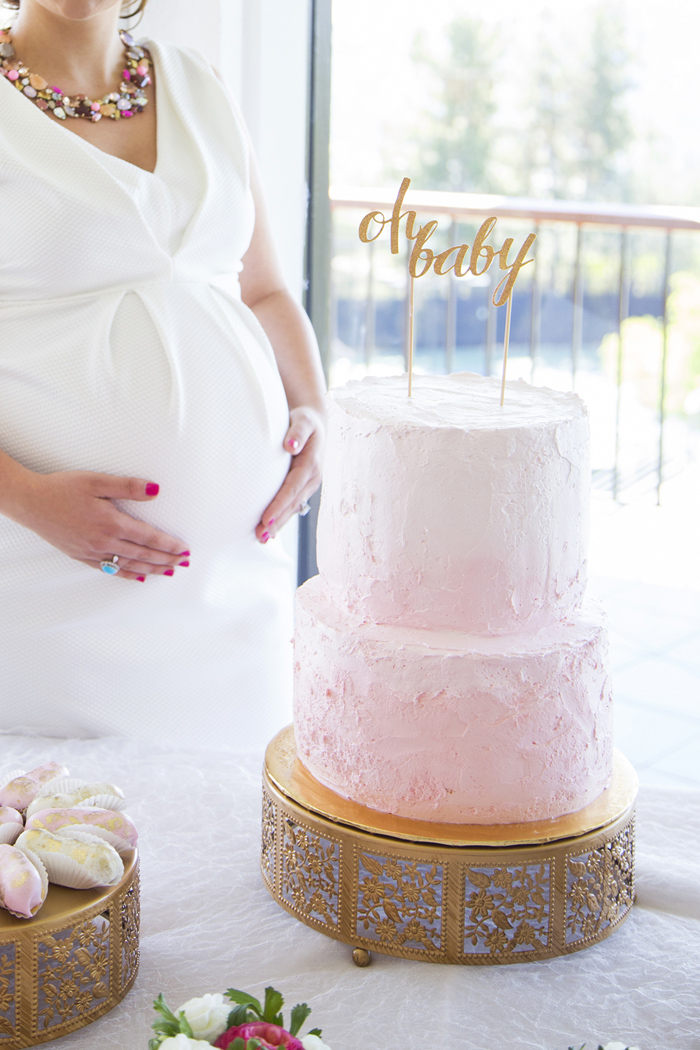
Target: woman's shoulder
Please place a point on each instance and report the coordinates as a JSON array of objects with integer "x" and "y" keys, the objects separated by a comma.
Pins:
[
  {"x": 188, "y": 58},
  {"x": 196, "y": 88},
  {"x": 185, "y": 67}
]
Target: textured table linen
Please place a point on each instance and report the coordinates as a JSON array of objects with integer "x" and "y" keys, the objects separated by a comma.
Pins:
[{"x": 208, "y": 924}]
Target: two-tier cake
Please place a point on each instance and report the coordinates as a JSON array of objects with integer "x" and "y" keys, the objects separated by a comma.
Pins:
[{"x": 448, "y": 665}]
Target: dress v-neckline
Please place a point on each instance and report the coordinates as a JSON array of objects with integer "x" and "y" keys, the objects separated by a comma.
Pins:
[{"x": 160, "y": 97}]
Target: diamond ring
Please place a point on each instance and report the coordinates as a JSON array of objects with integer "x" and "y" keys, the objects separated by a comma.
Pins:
[
  {"x": 110, "y": 566},
  {"x": 304, "y": 508}
]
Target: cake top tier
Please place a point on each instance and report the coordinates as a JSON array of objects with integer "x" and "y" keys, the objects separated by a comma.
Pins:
[
  {"x": 449, "y": 510},
  {"x": 464, "y": 400}
]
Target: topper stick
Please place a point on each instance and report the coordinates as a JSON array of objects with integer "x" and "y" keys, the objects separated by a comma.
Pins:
[
  {"x": 410, "y": 336},
  {"x": 505, "y": 349},
  {"x": 480, "y": 259}
]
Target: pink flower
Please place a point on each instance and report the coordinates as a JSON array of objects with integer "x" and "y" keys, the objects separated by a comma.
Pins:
[{"x": 271, "y": 1036}]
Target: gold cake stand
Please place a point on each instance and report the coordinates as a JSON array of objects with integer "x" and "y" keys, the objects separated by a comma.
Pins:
[
  {"x": 470, "y": 894},
  {"x": 72, "y": 963}
]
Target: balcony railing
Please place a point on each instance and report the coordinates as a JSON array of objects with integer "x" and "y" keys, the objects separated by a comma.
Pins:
[{"x": 623, "y": 234}]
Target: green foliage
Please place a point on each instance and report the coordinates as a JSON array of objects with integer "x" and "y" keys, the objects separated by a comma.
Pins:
[
  {"x": 272, "y": 1011},
  {"x": 570, "y": 129},
  {"x": 299, "y": 1014},
  {"x": 167, "y": 1024},
  {"x": 547, "y": 153},
  {"x": 238, "y": 1016},
  {"x": 249, "y": 1009},
  {"x": 455, "y": 148},
  {"x": 602, "y": 122},
  {"x": 245, "y": 999}
]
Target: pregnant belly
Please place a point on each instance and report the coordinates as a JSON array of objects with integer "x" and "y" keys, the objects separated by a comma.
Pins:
[{"x": 173, "y": 384}]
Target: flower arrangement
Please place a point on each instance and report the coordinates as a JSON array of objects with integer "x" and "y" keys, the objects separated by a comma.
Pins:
[
  {"x": 238, "y": 1021},
  {"x": 241, "y": 1023},
  {"x": 608, "y": 1046}
]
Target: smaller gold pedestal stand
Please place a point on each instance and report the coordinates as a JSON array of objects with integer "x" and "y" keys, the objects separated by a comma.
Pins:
[
  {"x": 72, "y": 963},
  {"x": 470, "y": 894}
]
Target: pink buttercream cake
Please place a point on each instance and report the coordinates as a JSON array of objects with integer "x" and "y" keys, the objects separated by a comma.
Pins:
[{"x": 447, "y": 667}]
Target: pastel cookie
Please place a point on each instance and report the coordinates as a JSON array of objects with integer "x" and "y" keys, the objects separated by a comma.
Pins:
[
  {"x": 74, "y": 859},
  {"x": 115, "y": 828},
  {"x": 23, "y": 882},
  {"x": 11, "y": 824},
  {"x": 64, "y": 794},
  {"x": 19, "y": 789}
]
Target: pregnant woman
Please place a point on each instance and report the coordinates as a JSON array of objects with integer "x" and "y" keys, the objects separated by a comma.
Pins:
[{"x": 161, "y": 397}]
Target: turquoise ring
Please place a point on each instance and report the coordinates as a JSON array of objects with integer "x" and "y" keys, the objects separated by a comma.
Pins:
[{"x": 110, "y": 567}]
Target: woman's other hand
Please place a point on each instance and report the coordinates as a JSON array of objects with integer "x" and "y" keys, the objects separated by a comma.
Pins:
[
  {"x": 305, "y": 441},
  {"x": 73, "y": 511}
]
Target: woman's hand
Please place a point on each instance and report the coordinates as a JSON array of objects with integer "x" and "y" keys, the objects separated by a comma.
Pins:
[
  {"x": 305, "y": 440},
  {"x": 73, "y": 511}
]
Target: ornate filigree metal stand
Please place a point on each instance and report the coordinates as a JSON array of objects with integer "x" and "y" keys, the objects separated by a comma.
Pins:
[
  {"x": 71, "y": 964},
  {"x": 443, "y": 892}
]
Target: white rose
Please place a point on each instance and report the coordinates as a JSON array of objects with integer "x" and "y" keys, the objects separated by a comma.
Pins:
[
  {"x": 207, "y": 1016},
  {"x": 182, "y": 1042},
  {"x": 312, "y": 1042}
]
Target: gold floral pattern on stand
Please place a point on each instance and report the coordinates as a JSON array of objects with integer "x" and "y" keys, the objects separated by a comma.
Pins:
[
  {"x": 399, "y": 902},
  {"x": 73, "y": 972},
  {"x": 70, "y": 964},
  {"x": 130, "y": 912},
  {"x": 507, "y": 909},
  {"x": 8, "y": 983},
  {"x": 267, "y": 856},
  {"x": 472, "y": 903},
  {"x": 600, "y": 887},
  {"x": 310, "y": 873}
]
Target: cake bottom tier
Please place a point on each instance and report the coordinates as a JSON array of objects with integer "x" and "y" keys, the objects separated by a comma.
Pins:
[{"x": 443, "y": 726}]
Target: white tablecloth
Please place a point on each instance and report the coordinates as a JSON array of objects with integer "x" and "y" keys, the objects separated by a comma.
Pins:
[{"x": 208, "y": 924}]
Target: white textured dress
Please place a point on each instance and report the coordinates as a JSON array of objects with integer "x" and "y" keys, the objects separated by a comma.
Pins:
[{"x": 125, "y": 348}]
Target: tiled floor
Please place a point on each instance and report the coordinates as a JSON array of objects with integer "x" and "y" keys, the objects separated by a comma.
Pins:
[{"x": 645, "y": 566}]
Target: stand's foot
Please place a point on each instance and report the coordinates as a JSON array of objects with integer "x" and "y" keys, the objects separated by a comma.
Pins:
[{"x": 361, "y": 957}]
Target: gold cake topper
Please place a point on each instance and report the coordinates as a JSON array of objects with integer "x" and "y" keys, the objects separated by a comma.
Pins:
[{"x": 478, "y": 259}]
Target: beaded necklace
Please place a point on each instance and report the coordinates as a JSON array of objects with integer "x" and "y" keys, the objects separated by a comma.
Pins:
[{"x": 129, "y": 100}]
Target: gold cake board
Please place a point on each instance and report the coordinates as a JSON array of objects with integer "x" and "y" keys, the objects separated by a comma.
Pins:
[
  {"x": 70, "y": 964},
  {"x": 469, "y": 894}
]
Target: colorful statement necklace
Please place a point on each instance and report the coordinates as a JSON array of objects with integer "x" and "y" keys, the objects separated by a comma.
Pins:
[{"x": 129, "y": 100}]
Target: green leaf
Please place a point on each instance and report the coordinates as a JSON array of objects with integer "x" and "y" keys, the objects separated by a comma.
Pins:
[
  {"x": 299, "y": 1014},
  {"x": 253, "y": 1044},
  {"x": 166, "y": 1029},
  {"x": 316, "y": 1031},
  {"x": 273, "y": 1005},
  {"x": 185, "y": 1026},
  {"x": 237, "y": 1044},
  {"x": 245, "y": 999},
  {"x": 153, "y": 1044},
  {"x": 161, "y": 1007},
  {"x": 238, "y": 1016}
]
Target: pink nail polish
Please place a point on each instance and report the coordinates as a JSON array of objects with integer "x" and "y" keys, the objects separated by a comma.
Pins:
[
  {"x": 141, "y": 579},
  {"x": 183, "y": 554},
  {"x": 169, "y": 572},
  {"x": 294, "y": 444},
  {"x": 272, "y": 521},
  {"x": 265, "y": 537},
  {"x": 184, "y": 564},
  {"x": 152, "y": 489}
]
